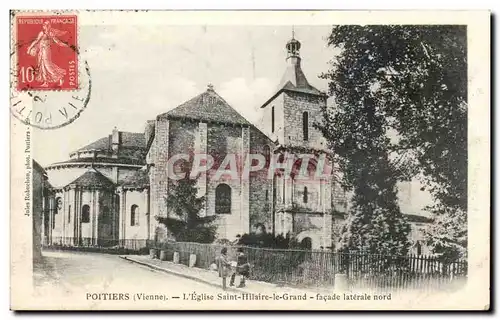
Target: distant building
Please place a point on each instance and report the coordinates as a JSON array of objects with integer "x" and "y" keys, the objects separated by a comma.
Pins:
[{"x": 418, "y": 224}]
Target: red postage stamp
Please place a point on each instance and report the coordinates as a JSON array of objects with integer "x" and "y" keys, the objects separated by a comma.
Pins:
[{"x": 47, "y": 54}]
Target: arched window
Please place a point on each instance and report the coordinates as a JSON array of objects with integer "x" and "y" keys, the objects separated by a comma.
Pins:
[
  {"x": 306, "y": 243},
  {"x": 419, "y": 248},
  {"x": 85, "y": 213},
  {"x": 305, "y": 126},
  {"x": 223, "y": 199},
  {"x": 272, "y": 119},
  {"x": 134, "y": 215},
  {"x": 305, "y": 196},
  {"x": 59, "y": 205}
]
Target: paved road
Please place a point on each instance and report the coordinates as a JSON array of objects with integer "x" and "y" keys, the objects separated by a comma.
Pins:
[{"x": 70, "y": 274}]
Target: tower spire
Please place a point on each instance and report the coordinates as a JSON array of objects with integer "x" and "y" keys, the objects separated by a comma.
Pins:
[{"x": 293, "y": 48}]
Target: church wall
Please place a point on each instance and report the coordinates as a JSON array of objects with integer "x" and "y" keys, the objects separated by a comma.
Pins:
[
  {"x": 314, "y": 189},
  {"x": 295, "y": 104},
  {"x": 261, "y": 192},
  {"x": 69, "y": 213},
  {"x": 105, "y": 228},
  {"x": 160, "y": 154},
  {"x": 58, "y": 224},
  {"x": 140, "y": 230},
  {"x": 314, "y": 226},
  {"x": 124, "y": 173},
  {"x": 279, "y": 124},
  {"x": 222, "y": 140},
  {"x": 181, "y": 140},
  {"x": 58, "y": 215},
  {"x": 150, "y": 159},
  {"x": 182, "y": 137},
  {"x": 88, "y": 198}
]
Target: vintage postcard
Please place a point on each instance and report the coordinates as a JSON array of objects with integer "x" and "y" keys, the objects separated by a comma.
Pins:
[{"x": 239, "y": 160}]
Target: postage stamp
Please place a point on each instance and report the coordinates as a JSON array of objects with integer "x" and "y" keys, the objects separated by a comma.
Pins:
[
  {"x": 50, "y": 84},
  {"x": 47, "y": 57},
  {"x": 270, "y": 160}
]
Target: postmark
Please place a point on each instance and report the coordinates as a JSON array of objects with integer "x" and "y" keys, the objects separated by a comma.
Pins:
[
  {"x": 50, "y": 84},
  {"x": 51, "y": 109}
]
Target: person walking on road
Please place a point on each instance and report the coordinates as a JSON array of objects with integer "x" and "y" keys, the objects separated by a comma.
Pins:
[{"x": 224, "y": 267}]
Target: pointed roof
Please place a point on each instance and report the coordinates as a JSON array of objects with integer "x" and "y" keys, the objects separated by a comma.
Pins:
[
  {"x": 127, "y": 140},
  {"x": 208, "y": 106},
  {"x": 92, "y": 179},
  {"x": 294, "y": 78}
]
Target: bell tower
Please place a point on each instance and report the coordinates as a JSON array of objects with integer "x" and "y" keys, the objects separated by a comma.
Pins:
[
  {"x": 290, "y": 114},
  {"x": 301, "y": 200}
]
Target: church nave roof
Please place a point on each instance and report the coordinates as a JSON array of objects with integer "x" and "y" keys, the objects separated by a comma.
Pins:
[{"x": 208, "y": 106}]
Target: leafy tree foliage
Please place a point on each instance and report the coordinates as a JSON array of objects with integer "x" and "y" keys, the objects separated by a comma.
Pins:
[
  {"x": 357, "y": 134},
  {"x": 187, "y": 224},
  {"x": 412, "y": 81}
]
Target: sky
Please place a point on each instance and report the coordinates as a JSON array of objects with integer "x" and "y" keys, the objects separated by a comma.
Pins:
[{"x": 141, "y": 71}]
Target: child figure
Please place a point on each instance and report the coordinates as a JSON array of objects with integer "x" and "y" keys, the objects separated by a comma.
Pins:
[{"x": 242, "y": 269}]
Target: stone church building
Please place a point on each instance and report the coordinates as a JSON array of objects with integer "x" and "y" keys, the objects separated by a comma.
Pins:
[{"x": 110, "y": 191}]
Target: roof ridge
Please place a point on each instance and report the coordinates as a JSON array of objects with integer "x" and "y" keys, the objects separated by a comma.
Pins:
[
  {"x": 94, "y": 171},
  {"x": 200, "y": 108}
]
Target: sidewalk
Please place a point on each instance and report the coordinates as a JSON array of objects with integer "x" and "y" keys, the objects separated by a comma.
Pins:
[{"x": 212, "y": 277}]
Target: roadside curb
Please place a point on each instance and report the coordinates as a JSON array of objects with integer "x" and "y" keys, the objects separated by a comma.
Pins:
[{"x": 186, "y": 276}]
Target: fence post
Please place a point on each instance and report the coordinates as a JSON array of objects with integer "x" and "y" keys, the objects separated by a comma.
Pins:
[
  {"x": 192, "y": 260},
  {"x": 176, "y": 257},
  {"x": 341, "y": 278},
  {"x": 341, "y": 282}
]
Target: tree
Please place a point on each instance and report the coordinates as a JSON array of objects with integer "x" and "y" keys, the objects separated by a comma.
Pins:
[
  {"x": 416, "y": 76},
  {"x": 356, "y": 132},
  {"x": 188, "y": 225}
]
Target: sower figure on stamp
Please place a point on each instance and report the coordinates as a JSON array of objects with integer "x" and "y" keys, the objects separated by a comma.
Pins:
[
  {"x": 223, "y": 267},
  {"x": 242, "y": 269},
  {"x": 47, "y": 70}
]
